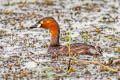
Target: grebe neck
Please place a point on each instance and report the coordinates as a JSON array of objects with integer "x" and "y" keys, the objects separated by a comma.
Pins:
[{"x": 55, "y": 36}]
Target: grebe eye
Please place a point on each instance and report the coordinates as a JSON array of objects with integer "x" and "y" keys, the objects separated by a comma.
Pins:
[{"x": 41, "y": 22}]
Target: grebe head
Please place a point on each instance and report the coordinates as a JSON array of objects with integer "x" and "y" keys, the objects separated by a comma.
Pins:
[
  {"x": 51, "y": 24},
  {"x": 47, "y": 23}
]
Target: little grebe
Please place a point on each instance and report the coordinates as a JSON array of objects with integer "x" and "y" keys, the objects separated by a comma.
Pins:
[{"x": 57, "y": 49}]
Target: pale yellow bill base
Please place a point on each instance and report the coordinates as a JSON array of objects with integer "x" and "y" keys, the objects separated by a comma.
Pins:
[
  {"x": 35, "y": 26},
  {"x": 39, "y": 25}
]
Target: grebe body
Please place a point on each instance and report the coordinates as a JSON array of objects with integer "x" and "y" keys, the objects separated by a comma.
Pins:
[{"x": 75, "y": 48}]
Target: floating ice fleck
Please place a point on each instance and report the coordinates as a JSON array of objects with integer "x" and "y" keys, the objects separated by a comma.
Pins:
[
  {"x": 30, "y": 65},
  {"x": 105, "y": 54}
]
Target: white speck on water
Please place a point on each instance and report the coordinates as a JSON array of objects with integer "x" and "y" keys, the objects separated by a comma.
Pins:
[
  {"x": 75, "y": 34},
  {"x": 6, "y": 56},
  {"x": 105, "y": 54},
  {"x": 30, "y": 65},
  {"x": 77, "y": 25},
  {"x": 45, "y": 60}
]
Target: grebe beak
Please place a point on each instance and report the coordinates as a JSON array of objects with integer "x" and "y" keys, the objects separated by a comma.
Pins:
[
  {"x": 33, "y": 26},
  {"x": 38, "y": 25}
]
